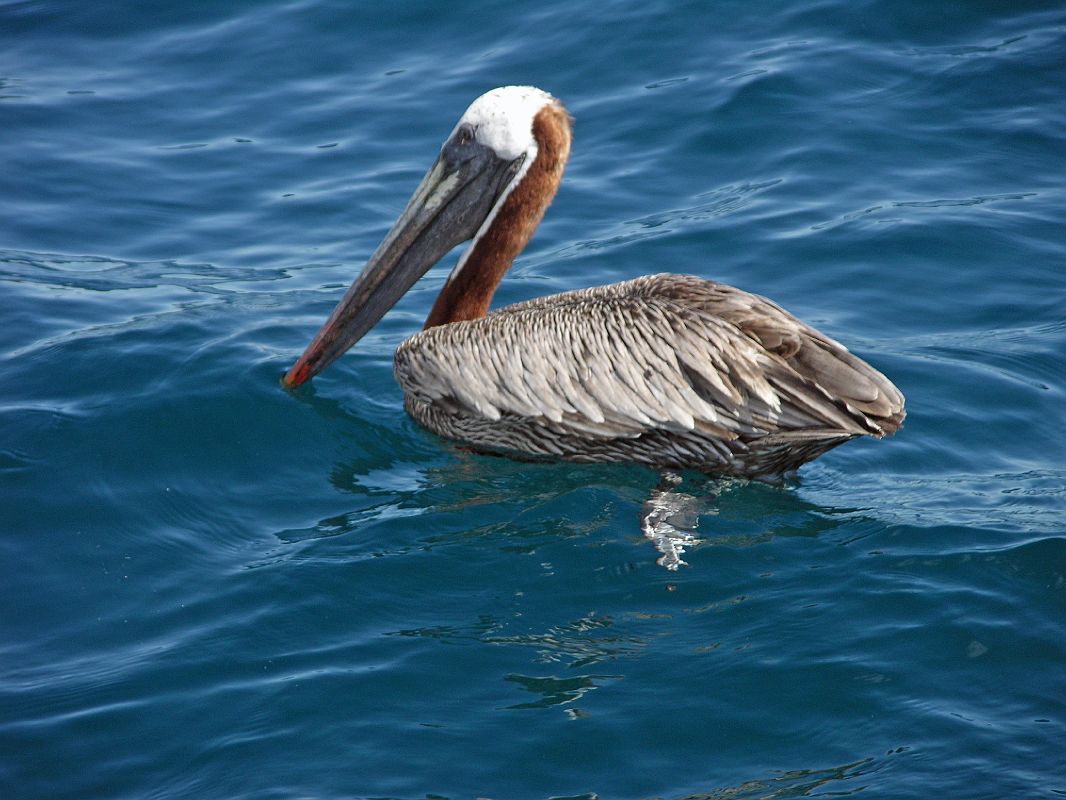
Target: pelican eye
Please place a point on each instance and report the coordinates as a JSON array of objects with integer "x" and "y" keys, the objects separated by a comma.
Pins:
[{"x": 465, "y": 135}]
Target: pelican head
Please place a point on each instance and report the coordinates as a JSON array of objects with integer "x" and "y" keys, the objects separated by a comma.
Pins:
[{"x": 465, "y": 195}]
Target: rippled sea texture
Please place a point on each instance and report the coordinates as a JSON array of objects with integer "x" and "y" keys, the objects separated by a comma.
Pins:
[{"x": 210, "y": 587}]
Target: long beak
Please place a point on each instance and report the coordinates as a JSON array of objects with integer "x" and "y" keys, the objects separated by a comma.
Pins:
[{"x": 447, "y": 208}]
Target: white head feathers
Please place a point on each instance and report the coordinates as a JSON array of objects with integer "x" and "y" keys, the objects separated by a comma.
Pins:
[{"x": 503, "y": 119}]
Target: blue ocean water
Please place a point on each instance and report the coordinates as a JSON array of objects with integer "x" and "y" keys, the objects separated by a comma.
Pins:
[{"x": 212, "y": 587}]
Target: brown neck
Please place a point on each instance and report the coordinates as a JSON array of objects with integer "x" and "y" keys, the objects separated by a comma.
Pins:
[{"x": 468, "y": 292}]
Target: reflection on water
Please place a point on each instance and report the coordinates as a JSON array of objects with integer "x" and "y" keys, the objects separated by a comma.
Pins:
[
  {"x": 520, "y": 508},
  {"x": 669, "y": 518},
  {"x": 843, "y": 781},
  {"x": 744, "y": 513},
  {"x": 592, "y": 639},
  {"x": 557, "y": 691}
]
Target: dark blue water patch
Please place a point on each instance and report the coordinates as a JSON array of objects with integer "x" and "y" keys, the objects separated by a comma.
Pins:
[{"x": 215, "y": 587}]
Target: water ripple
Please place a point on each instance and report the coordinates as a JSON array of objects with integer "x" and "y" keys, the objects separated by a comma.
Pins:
[{"x": 215, "y": 587}]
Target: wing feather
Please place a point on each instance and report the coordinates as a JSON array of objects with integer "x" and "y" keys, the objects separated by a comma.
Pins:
[{"x": 662, "y": 352}]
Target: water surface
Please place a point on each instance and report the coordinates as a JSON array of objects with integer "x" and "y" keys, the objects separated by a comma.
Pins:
[{"x": 210, "y": 587}]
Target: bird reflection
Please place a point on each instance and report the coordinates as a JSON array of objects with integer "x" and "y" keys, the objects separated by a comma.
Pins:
[{"x": 669, "y": 519}]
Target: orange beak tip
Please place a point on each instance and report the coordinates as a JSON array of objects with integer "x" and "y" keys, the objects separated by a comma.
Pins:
[{"x": 295, "y": 376}]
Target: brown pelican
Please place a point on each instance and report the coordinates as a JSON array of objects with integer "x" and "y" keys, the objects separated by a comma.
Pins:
[{"x": 671, "y": 371}]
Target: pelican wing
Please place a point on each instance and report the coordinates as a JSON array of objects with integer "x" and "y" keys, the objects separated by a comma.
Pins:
[{"x": 664, "y": 352}]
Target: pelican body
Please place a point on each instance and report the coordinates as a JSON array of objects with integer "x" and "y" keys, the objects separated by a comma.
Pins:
[{"x": 670, "y": 371}]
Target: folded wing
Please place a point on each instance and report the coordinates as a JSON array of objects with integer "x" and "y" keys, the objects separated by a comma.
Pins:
[{"x": 659, "y": 353}]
